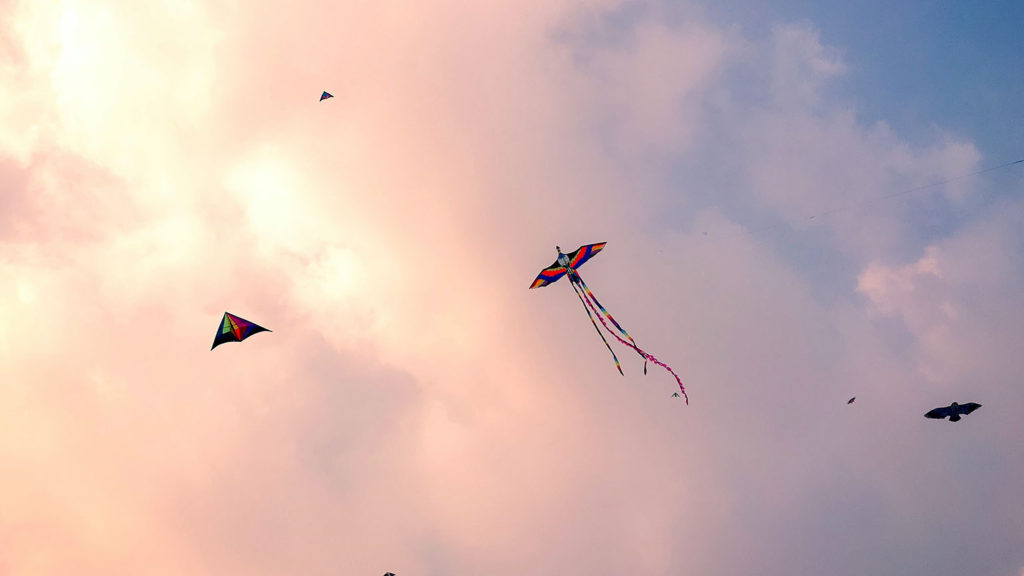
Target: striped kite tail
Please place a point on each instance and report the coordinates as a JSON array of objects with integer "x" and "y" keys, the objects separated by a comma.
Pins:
[
  {"x": 598, "y": 330},
  {"x": 645, "y": 355},
  {"x": 590, "y": 293}
]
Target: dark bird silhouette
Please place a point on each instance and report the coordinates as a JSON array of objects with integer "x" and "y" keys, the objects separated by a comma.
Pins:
[
  {"x": 850, "y": 401},
  {"x": 953, "y": 411}
]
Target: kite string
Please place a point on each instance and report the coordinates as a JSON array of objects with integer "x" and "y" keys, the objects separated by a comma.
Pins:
[
  {"x": 641, "y": 352},
  {"x": 598, "y": 330},
  {"x": 606, "y": 313}
]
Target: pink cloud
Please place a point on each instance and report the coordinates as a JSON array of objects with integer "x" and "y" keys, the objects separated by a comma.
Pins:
[
  {"x": 948, "y": 299},
  {"x": 416, "y": 408}
]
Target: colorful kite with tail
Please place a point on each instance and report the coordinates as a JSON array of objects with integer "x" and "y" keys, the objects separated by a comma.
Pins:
[{"x": 568, "y": 264}]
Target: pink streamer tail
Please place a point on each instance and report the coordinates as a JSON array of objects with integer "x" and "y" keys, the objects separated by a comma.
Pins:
[{"x": 641, "y": 352}]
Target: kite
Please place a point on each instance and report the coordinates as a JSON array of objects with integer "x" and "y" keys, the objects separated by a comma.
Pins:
[
  {"x": 850, "y": 401},
  {"x": 675, "y": 394},
  {"x": 235, "y": 329},
  {"x": 568, "y": 265},
  {"x": 325, "y": 96},
  {"x": 953, "y": 411}
]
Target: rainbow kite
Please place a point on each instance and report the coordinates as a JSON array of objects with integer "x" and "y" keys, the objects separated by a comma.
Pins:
[
  {"x": 235, "y": 329},
  {"x": 567, "y": 264}
]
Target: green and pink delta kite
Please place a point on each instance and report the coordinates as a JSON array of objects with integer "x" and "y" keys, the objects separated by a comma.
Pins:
[
  {"x": 567, "y": 264},
  {"x": 235, "y": 329}
]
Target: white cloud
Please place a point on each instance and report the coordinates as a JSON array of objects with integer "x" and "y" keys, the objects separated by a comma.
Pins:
[
  {"x": 801, "y": 64},
  {"x": 416, "y": 404}
]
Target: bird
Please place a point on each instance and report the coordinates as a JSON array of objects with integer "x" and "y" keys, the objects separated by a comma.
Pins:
[
  {"x": 850, "y": 401},
  {"x": 953, "y": 411}
]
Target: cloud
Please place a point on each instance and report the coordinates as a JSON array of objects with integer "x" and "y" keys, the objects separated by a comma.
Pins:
[
  {"x": 801, "y": 64},
  {"x": 416, "y": 408},
  {"x": 958, "y": 299},
  {"x": 657, "y": 76}
]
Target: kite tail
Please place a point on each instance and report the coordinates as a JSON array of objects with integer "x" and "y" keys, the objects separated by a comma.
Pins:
[
  {"x": 603, "y": 339},
  {"x": 614, "y": 323},
  {"x": 639, "y": 351}
]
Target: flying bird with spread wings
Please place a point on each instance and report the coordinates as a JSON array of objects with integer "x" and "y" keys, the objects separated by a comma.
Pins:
[{"x": 953, "y": 411}]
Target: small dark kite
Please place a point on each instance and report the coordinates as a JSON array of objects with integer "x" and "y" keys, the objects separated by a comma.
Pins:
[{"x": 953, "y": 411}]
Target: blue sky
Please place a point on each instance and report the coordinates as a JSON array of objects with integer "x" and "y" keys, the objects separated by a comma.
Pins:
[{"x": 914, "y": 63}]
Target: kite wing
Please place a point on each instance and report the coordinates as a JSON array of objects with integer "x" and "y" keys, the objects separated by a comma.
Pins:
[
  {"x": 548, "y": 275},
  {"x": 968, "y": 408},
  {"x": 939, "y": 413},
  {"x": 576, "y": 259},
  {"x": 325, "y": 96},
  {"x": 584, "y": 253},
  {"x": 235, "y": 329}
]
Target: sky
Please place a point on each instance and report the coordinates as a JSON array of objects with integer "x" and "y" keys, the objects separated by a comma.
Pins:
[{"x": 416, "y": 409}]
